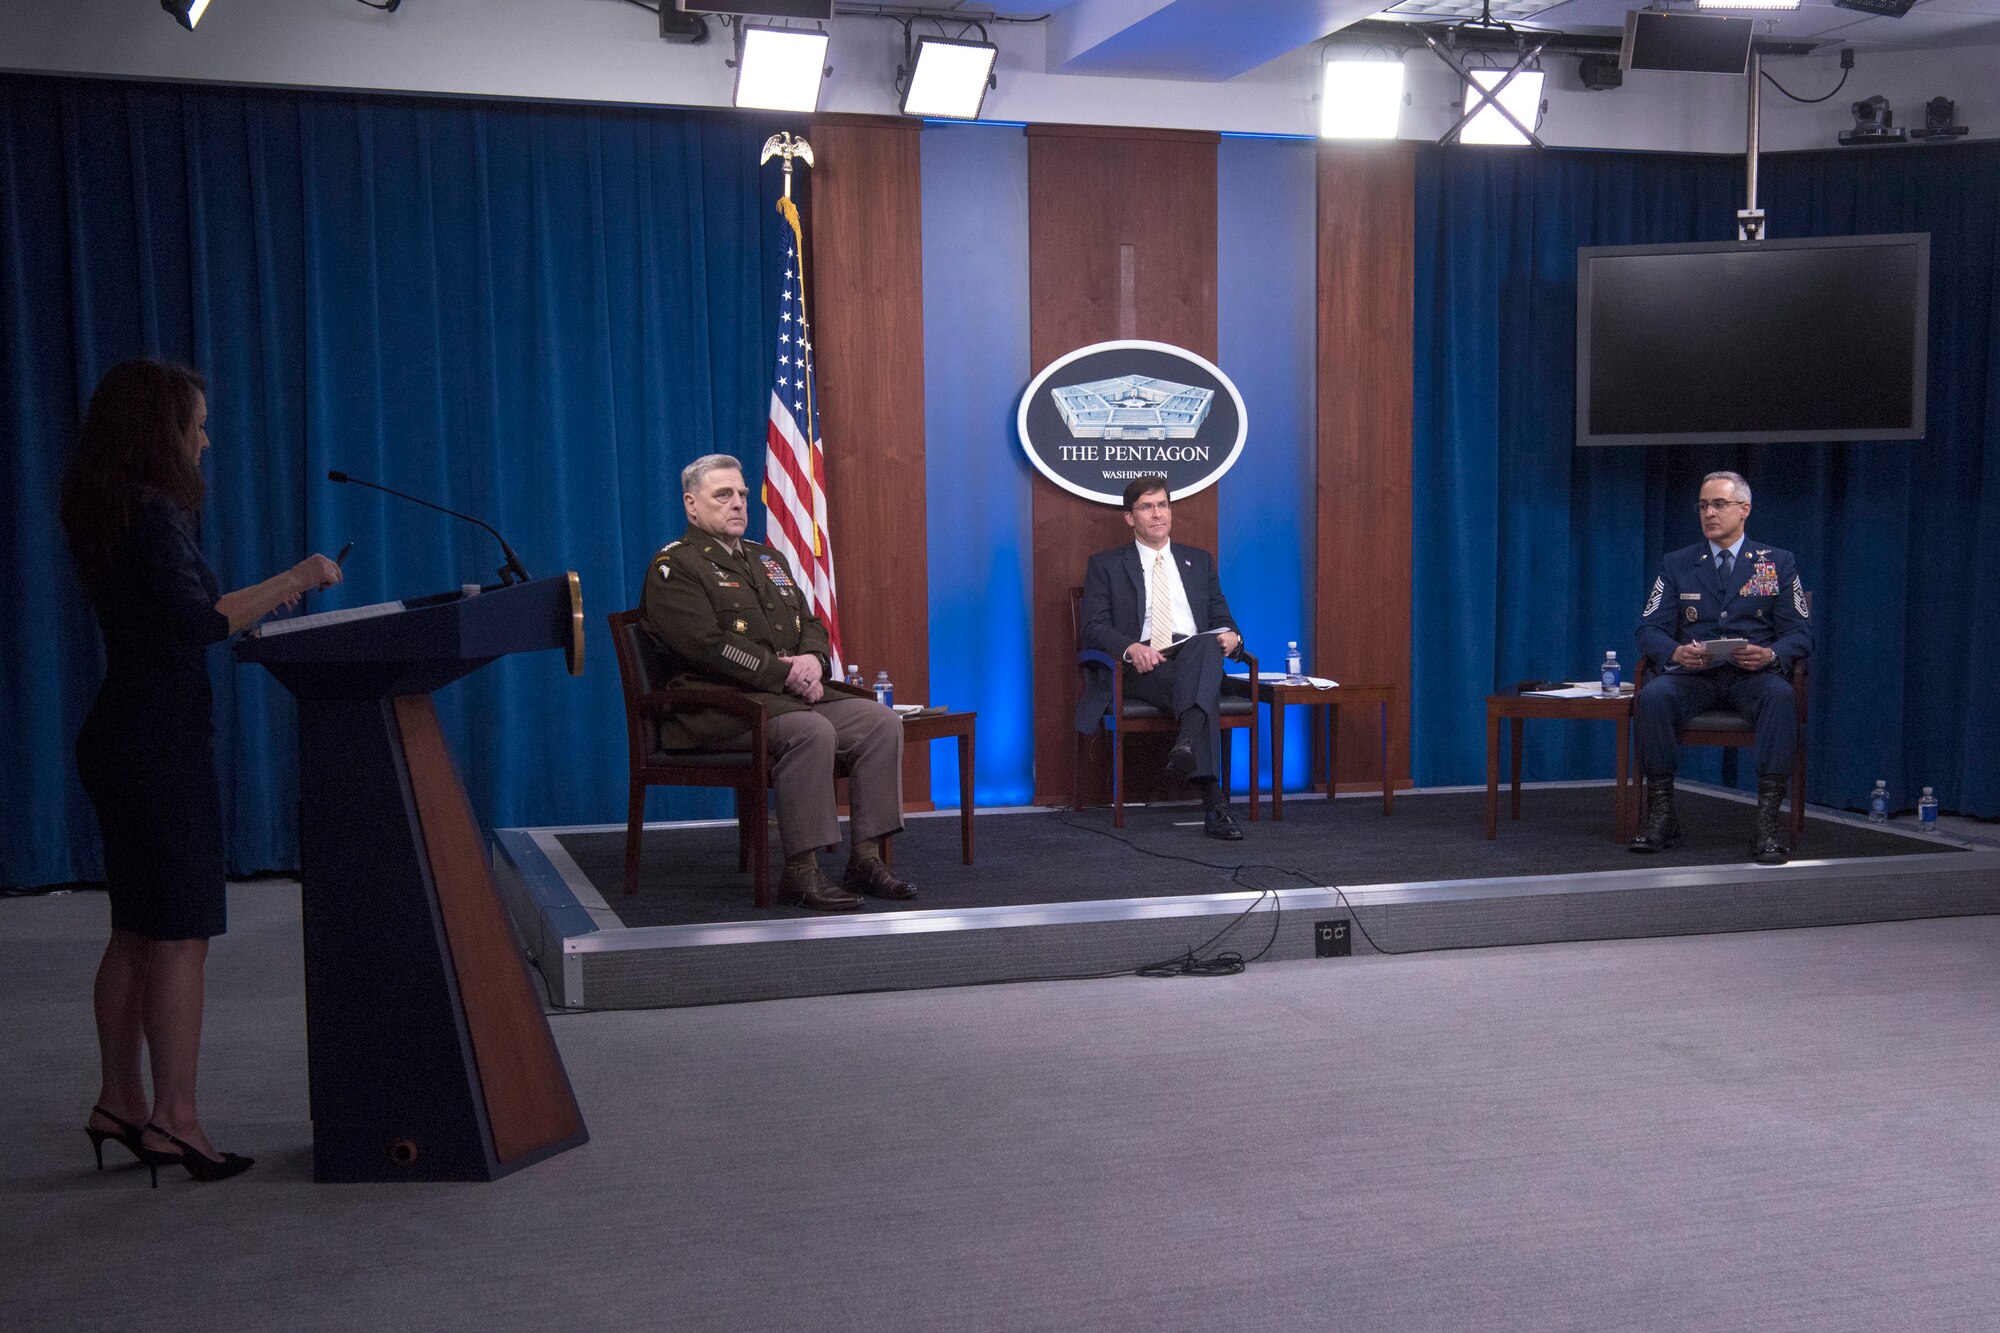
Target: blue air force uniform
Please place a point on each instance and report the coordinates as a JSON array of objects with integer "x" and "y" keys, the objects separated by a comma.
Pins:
[{"x": 1691, "y": 601}]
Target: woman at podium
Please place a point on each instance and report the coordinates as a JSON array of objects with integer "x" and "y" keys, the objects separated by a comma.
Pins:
[{"x": 131, "y": 507}]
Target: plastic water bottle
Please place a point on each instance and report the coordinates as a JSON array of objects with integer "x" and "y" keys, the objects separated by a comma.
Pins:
[
  {"x": 1878, "y": 802},
  {"x": 1607, "y": 676},
  {"x": 1294, "y": 664},
  {"x": 1927, "y": 813},
  {"x": 854, "y": 676},
  {"x": 885, "y": 693}
]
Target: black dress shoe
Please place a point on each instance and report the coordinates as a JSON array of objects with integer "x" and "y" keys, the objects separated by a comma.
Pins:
[
  {"x": 1217, "y": 822},
  {"x": 873, "y": 878},
  {"x": 810, "y": 889},
  {"x": 198, "y": 1164},
  {"x": 1180, "y": 760}
]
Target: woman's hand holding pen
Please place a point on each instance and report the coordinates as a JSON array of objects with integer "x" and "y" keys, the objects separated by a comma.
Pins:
[{"x": 310, "y": 575}]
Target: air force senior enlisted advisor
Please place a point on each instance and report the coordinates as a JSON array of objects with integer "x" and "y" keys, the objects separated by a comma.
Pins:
[
  {"x": 1138, "y": 601},
  {"x": 1724, "y": 586},
  {"x": 728, "y": 611}
]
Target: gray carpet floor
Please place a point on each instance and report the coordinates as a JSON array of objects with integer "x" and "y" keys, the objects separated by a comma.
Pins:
[
  {"x": 688, "y": 875},
  {"x": 1789, "y": 1130}
]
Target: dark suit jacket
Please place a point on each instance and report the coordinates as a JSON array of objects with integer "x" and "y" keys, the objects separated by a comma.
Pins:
[
  {"x": 1114, "y": 609},
  {"x": 1765, "y": 603}
]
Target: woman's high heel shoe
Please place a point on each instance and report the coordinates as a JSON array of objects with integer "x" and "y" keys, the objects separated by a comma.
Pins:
[
  {"x": 198, "y": 1163},
  {"x": 127, "y": 1133}
]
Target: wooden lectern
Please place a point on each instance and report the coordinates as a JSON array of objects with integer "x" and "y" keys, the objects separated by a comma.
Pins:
[{"x": 429, "y": 1054}]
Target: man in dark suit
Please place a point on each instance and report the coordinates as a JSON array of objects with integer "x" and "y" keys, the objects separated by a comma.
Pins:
[
  {"x": 1724, "y": 586},
  {"x": 1152, "y": 605}
]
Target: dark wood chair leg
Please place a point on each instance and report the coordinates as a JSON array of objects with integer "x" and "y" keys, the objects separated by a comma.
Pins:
[
  {"x": 635, "y": 818},
  {"x": 760, "y": 846},
  {"x": 1076, "y": 767},
  {"x": 742, "y": 835},
  {"x": 1799, "y": 796},
  {"x": 1118, "y": 778},
  {"x": 1255, "y": 759}
]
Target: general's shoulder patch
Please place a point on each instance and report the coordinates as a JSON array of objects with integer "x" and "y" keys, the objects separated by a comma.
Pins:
[{"x": 666, "y": 570}]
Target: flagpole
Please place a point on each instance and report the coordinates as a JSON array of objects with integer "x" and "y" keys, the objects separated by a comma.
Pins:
[{"x": 792, "y": 149}]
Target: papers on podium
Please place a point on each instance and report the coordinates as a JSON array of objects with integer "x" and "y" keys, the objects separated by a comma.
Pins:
[{"x": 319, "y": 618}]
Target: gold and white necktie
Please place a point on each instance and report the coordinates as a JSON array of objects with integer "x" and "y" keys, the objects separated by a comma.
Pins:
[{"x": 1161, "y": 604}]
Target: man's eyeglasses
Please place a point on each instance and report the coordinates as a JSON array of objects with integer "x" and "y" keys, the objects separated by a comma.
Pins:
[{"x": 1713, "y": 506}]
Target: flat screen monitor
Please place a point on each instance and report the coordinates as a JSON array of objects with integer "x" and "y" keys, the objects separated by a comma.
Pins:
[
  {"x": 1746, "y": 342},
  {"x": 1685, "y": 43}
]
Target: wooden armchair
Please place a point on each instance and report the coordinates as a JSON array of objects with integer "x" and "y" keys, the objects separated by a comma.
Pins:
[
  {"x": 1733, "y": 732},
  {"x": 745, "y": 768},
  {"x": 1124, "y": 717}
]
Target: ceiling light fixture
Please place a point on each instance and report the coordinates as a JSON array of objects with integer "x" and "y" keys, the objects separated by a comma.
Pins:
[
  {"x": 1507, "y": 107},
  {"x": 1509, "y": 98},
  {"x": 1360, "y": 99},
  {"x": 187, "y": 13},
  {"x": 947, "y": 77},
  {"x": 779, "y": 69}
]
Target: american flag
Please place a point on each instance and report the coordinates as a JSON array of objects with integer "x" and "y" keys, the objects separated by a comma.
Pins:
[{"x": 795, "y": 458}]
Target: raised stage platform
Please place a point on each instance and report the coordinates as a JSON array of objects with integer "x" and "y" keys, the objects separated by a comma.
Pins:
[{"x": 1062, "y": 894}]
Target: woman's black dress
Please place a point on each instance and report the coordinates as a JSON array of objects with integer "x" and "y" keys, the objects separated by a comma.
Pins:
[{"x": 146, "y": 754}]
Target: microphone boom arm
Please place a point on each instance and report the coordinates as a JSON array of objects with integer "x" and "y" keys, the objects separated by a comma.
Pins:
[{"x": 511, "y": 572}]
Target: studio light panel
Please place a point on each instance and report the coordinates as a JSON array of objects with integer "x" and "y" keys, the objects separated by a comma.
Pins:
[
  {"x": 187, "y": 13},
  {"x": 1361, "y": 99},
  {"x": 948, "y": 78},
  {"x": 779, "y": 69},
  {"x": 1522, "y": 97}
]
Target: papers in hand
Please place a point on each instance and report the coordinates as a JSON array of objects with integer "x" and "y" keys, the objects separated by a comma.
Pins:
[
  {"x": 319, "y": 618},
  {"x": 1174, "y": 647},
  {"x": 1721, "y": 650}
]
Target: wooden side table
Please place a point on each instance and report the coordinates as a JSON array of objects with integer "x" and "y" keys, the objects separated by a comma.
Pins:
[
  {"x": 1278, "y": 695},
  {"x": 1516, "y": 708},
  {"x": 962, "y": 726}
]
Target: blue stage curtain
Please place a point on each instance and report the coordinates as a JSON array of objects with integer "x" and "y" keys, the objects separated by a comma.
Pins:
[
  {"x": 1532, "y": 556},
  {"x": 536, "y": 314}
]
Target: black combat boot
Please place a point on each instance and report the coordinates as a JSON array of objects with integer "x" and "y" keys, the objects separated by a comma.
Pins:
[
  {"x": 1660, "y": 829},
  {"x": 1767, "y": 843}
]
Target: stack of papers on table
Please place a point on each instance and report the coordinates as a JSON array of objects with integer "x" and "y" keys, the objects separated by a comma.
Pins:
[{"x": 1279, "y": 678}]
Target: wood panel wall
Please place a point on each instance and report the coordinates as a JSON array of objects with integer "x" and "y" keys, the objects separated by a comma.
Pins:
[
  {"x": 865, "y": 237},
  {"x": 1367, "y": 239},
  {"x": 1122, "y": 244}
]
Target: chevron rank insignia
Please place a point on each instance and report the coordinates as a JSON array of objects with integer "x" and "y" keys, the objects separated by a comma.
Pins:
[
  {"x": 1653, "y": 598},
  {"x": 1799, "y": 602}
]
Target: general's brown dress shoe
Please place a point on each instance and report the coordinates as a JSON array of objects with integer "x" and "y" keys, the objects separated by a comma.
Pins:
[
  {"x": 873, "y": 878},
  {"x": 810, "y": 889}
]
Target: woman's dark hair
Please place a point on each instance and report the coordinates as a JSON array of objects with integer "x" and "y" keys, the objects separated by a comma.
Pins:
[{"x": 134, "y": 441}]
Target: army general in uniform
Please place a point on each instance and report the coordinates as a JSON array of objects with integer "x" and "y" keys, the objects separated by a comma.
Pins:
[
  {"x": 1724, "y": 586},
  {"x": 725, "y": 611}
]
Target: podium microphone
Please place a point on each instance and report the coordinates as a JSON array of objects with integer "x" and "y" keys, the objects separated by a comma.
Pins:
[{"x": 511, "y": 572}]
